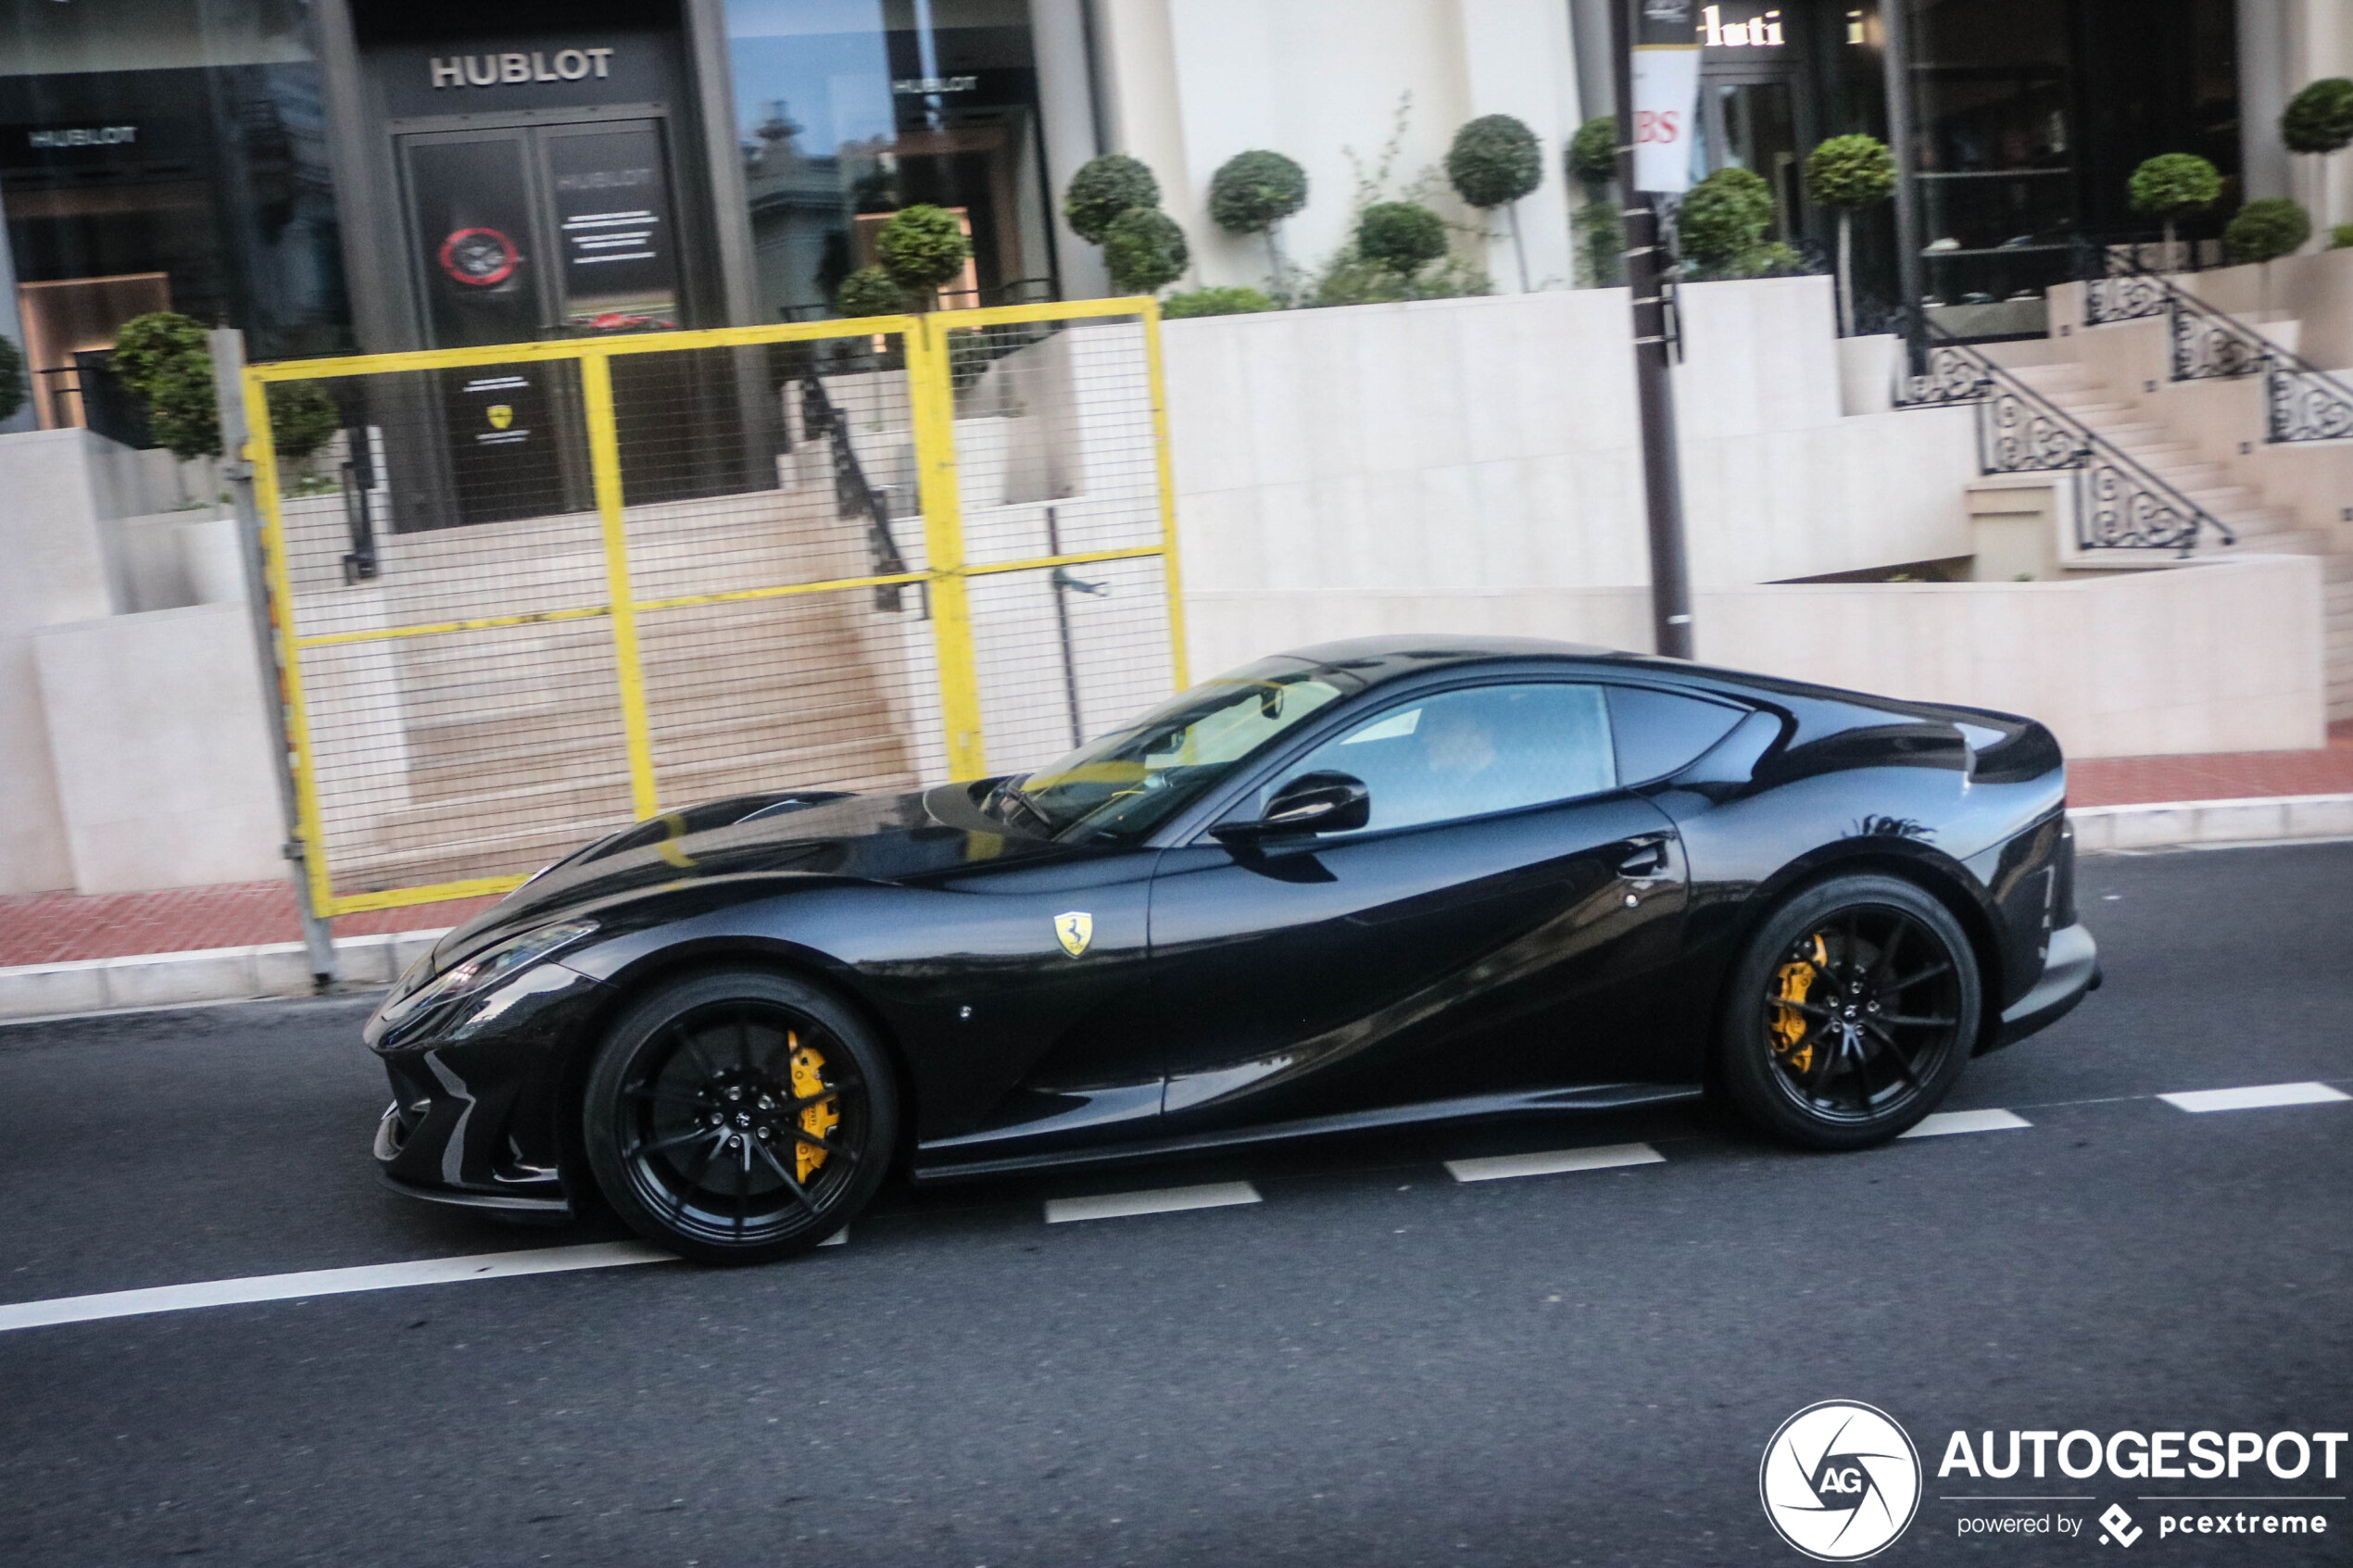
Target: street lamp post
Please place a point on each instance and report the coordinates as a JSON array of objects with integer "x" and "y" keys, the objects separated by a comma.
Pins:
[{"x": 1654, "y": 386}]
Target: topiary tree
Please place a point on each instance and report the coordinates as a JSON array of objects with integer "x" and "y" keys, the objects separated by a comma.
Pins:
[
  {"x": 2319, "y": 120},
  {"x": 1102, "y": 188},
  {"x": 163, "y": 358},
  {"x": 2267, "y": 230},
  {"x": 1593, "y": 163},
  {"x": 13, "y": 390},
  {"x": 1494, "y": 162},
  {"x": 869, "y": 292},
  {"x": 303, "y": 419},
  {"x": 1846, "y": 174},
  {"x": 1251, "y": 194},
  {"x": 1216, "y": 302},
  {"x": 1723, "y": 220},
  {"x": 2172, "y": 185},
  {"x": 1144, "y": 250},
  {"x": 1401, "y": 237},
  {"x": 922, "y": 248}
]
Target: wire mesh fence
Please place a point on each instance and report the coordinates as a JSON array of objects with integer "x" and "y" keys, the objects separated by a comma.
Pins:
[{"x": 527, "y": 594}]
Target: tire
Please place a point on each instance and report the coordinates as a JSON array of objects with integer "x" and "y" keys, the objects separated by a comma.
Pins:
[
  {"x": 1851, "y": 1014},
  {"x": 739, "y": 1116}
]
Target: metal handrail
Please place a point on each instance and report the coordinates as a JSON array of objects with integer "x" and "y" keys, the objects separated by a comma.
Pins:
[
  {"x": 852, "y": 493},
  {"x": 2120, "y": 503},
  {"x": 2302, "y": 402}
]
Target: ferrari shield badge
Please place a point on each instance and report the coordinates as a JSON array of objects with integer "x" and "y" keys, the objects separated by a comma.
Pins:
[
  {"x": 501, "y": 415},
  {"x": 1076, "y": 930}
]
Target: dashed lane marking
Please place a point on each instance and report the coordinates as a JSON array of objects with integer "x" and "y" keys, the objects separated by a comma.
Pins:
[
  {"x": 1945, "y": 1122},
  {"x": 328, "y": 1282},
  {"x": 1161, "y": 1201},
  {"x": 1553, "y": 1162},
  {"x": 2254, "y": 1098}
]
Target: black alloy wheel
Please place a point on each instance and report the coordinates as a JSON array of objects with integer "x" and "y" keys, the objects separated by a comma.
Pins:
[
  {"x": 1852, "y": 1013},
  {"x": 739, "y": 1116}
]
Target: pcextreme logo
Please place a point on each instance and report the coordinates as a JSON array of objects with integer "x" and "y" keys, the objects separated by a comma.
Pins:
[{"x": 1841, "y": 1481}]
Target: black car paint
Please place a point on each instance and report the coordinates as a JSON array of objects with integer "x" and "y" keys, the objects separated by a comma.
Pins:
[{"x": 1557, "y": 956}]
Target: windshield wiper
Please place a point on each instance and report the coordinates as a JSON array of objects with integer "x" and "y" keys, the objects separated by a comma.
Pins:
[{"x": 1009, "y": 792}]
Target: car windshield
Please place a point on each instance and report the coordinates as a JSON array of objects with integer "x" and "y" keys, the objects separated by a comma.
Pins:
[{"x": 1127, "y": 784}]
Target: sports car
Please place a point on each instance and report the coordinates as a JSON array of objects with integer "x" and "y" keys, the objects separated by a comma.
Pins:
[{"x": 1367, "y": 884}]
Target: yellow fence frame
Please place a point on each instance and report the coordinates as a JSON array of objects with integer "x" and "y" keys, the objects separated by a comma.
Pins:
[{"x": 932, "y": 398}]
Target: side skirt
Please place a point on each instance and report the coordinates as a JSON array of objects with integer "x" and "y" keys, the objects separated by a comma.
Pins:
[{"x": 929, "y": 1168}]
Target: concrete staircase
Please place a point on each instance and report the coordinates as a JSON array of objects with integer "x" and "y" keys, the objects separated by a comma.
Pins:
[{"x": 2115, "y": 381}]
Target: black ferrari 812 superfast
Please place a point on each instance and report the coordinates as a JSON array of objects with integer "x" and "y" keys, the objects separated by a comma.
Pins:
[{"x": 1373, "y": 883}]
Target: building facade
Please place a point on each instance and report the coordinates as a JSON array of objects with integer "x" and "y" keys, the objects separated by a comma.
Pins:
[{"x": 369, "y": 175}]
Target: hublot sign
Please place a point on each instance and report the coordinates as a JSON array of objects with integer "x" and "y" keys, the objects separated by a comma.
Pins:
[{"x": 515, "y": 66}]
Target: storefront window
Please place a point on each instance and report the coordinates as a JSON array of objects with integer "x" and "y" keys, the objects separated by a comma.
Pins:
[
  {"x": 851, "y": 109},
  {"x": 163, "y": 154}
]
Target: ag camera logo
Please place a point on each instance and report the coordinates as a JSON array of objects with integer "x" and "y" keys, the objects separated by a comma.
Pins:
[{"x": 1840, "y": 1481}]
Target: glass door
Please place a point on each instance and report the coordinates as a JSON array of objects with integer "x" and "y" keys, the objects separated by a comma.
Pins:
[{"x": 1753, "y": 125}]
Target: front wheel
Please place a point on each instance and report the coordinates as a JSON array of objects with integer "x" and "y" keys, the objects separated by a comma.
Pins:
[
  {"x": 739, "y": 1116},
  {"x": 1851, "y": 1014}
]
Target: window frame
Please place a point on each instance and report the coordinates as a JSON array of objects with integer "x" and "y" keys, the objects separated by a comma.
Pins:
[{"x": 1193, "y": 826}]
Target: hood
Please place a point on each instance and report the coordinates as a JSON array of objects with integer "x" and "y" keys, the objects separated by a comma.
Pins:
[{"x": 750, "y": 844}]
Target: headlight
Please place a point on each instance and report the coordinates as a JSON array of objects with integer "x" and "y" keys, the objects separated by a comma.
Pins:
[{"x": 484, "y": 968}]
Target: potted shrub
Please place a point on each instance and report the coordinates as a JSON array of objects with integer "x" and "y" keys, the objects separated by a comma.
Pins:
[
  {"x": 1494, "y": 162},
  {"x": 2267, "y": 230},
  {"x": 1253, "y": 192},
  {"x": 1846, "y": 174},
  {"x": 2172, "y": 185}
]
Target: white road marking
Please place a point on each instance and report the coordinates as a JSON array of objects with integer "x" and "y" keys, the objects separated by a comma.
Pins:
[
  {"x": 1553, "y": 1162},
  {"x": 1162, "y": 1200},
  {"x": 1943, "y": 1121},
  {"x": 328, "y": 1282},
  {"x": 839, "y": 1238},
  {"x": 2254, "y": 1098}
]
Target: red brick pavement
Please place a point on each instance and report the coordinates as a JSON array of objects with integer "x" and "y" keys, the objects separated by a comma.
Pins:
[{"x": 54, "y": 927}]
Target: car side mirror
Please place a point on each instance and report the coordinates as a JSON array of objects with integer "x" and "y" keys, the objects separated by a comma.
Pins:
[{"x": 1310, "y": 803}]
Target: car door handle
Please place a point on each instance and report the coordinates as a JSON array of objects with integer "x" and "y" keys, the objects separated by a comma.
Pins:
[{"x": 1648, "y": 861}]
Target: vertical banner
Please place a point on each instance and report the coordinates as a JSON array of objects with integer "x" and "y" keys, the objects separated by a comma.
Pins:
[{"x": 1665, "y": 95}]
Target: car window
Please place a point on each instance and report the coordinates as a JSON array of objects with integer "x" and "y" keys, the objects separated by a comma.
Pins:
[
  {"x": 1126, "y": 782},
  {"x": 1661, "y": 733},
  {"x": 1467, "y": 753}
]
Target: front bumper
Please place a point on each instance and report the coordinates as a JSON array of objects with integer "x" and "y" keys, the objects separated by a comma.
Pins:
[
  {"x": 2070, "y": 972},
  {"x": 477, "y": 1116}
]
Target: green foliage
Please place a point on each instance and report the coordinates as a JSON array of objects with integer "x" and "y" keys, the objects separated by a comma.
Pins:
[
  {"x": 2340, "y": 238},
  {"x": 922, "y": 248},
  {"x": 2173, "y": 183},
  {"x": 2319, "y": 119},
  {"x": 1215, "y": 302},
  {"x": 12, "y": 381},
  {"x": 162, "y": 357},
  {"x": 1144, "y": 250},
  {"x": 1851, "y": 172},
  {"x": 1601, "y": 244},
  {"x": 1252, "y": 192},
  {"x": 1494, "y": 161},
  {"x": 1592, "y": 152},
  {"x": 1352, "y": 279},
  {"x": 869, "y": 292},
  {"x": 302, "y": 420},
  {"x": 2266, "y": 229},
  {"x": 1401, "y": 236},
  {"x": 1102, "y": 188},
  {"x": 1724, "y": 219}
]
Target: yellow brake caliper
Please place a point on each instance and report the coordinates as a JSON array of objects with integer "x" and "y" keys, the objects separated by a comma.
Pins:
[
  {"x": 1787, "y": 1025},
  {"x": 819, "y": 1120}
]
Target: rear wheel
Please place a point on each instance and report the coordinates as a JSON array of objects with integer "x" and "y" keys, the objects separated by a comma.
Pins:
[
  {"x": 739, "y": 1116},
  {"x": 1851, "y": 1014}
]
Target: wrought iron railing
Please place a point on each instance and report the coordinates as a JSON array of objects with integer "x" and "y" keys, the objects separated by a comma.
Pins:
[
  {"x": 852, "y": 495},
  {"x": 2301, "y": 401},
  {"x": 2119, "y": 505}
]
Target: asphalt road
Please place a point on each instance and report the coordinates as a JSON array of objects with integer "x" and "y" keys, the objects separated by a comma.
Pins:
[{"x": 1375, "y": 1365}]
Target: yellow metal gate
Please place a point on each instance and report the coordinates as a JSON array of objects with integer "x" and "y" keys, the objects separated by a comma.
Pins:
[{"x": 526, "y": 594}]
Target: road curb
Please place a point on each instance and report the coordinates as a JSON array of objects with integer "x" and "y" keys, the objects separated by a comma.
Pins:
[
  {"x": 2180, "y": 823},
  {"x": 209, "y": 975},
  {"x": 279, "y": 969}
]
